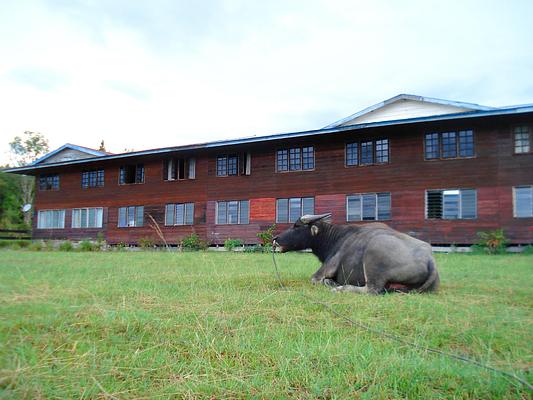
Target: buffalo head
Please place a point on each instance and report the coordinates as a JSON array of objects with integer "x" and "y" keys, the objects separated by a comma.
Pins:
[{"x": 301, "y": 235}]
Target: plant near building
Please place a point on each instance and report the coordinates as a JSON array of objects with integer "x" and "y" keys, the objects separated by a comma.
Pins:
[
  {"x": 146, "y": 243},
  {"x": 86, "y": 245},
  {"x": 493, "y": 242},
  {"x": 267, "y": 236},
  {"x": 66, "y": 246},
  {"x": 231, "y": 244},
  {"x": 193, "y": 242}
]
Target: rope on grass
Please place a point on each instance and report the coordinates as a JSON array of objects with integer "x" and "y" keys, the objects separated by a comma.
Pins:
[{"x": 397, "y": 338}]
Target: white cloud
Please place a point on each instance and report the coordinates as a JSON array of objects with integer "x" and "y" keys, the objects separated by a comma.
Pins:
[{"x": 166, "y": 73}]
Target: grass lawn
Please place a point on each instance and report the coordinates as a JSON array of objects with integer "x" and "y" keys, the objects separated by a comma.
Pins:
[{"x": 216, "y": 325}]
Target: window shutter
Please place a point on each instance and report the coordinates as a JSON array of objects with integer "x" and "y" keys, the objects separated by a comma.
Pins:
[
  {"x": 248, "y": 168},
  {"x": 189, "y": 213},
  {"x": 434, "y": 204},
  {"x": 192, "y": 168},
  {"x": 353, "y": 208},
  {"x": 122, "y": 217},
  {"x": 523, "y": 201},
  {"x": 383, "y": 206},
  {"x": 468, "y": 204},
  {"x": 244, "y": 212}
]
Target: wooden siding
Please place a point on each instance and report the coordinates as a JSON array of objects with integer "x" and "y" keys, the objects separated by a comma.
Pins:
[{"x": 493, "y": 172}]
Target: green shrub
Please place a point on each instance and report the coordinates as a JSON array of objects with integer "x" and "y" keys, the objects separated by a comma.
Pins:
[
  {"x": 86, "y": 245},
  {"x": 36, "y": 246},
  {"x": 146, "y": 243},
  {"x": 193, "y": 242},
  {"x": 527, "y": 250},
  {"x": 66, "y": 246},
  {"x": 100, "y": 241},
  {"x": 267, "y": 236},
  {"x": 121, "y": 246},
  {"x": 230, "y": 244},
  {"x": 493, "y": 242},
  {"x": 5, "y": 244}
]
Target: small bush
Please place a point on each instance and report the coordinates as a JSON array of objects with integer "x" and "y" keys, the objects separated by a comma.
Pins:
[
  {"x": 267, "y": 236},
  {"x": 100, "y": 241},
  {"x": 493, "y": 242},
  {"x": 121, "y": 246},
  {"x": 527, "y": 250},
  {"x": 5, "y": 244},
  {"x": 36, "y": 246},
  {"x": 146, "y": 243},
  {"x": 193, "y": 242},
  {"x": 66, "y": 246},
  {"x": 86, "y": 245},
  {"x": 230, "y": 244}
]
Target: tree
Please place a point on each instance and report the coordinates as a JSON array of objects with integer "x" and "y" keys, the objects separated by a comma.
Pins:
[
  {"x": 10, "y": 201},
  {"x": 25, "y": 149},
  {"x": 29, "y": 147}
]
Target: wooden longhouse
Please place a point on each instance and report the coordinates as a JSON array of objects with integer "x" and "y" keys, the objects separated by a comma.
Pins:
[{"x": 439, "y": 170}]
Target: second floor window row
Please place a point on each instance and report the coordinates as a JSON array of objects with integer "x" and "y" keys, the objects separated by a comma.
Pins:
[
  {"x": 295, "y": 159},
  {"x": 234, "y": 164},
  {"x": 522, "y": 139},
  {"x": 49, "y": 182},
  {"x": 91, "y": 179},
  {"x": 367, "y": 152},
  {"x": 449, "y": 144}
]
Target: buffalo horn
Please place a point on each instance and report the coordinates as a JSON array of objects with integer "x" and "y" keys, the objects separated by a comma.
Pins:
[{"x": 309, "y": 219}]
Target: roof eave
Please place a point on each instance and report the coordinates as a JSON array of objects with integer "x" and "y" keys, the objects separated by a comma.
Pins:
[{"x": 279, "y": 136}]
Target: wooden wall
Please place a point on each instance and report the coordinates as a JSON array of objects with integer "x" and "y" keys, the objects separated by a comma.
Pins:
[{"x": 493, "y": 172}]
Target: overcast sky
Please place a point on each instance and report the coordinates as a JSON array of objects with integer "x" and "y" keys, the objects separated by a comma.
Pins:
[{"x": 146, "y": 74}]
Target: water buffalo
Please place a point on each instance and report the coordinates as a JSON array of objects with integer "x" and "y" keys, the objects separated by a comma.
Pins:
[{"x": 371, "y": 258}]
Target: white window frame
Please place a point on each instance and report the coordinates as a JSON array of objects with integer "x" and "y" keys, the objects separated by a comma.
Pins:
[
  {"x": 185, "y": 214},
  {"x": 99, "y": 217},
  {"x": 128, "y": 218},
  {"x": 376, "y": 211},
  {"x": 42, "y": 215},
  {"x": 239, "y": 212},
  {"x": 460, "y": 206},
  {"x": 515, "y": 215}
]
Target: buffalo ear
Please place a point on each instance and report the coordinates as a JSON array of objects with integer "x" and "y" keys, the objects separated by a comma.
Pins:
[{"x": 314, "y": 230}]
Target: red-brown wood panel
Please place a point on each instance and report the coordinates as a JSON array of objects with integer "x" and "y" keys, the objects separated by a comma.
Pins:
[{"x": 493, "y": 172}]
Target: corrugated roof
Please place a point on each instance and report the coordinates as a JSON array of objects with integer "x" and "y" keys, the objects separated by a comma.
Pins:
[{"x": 521, "y": 109}]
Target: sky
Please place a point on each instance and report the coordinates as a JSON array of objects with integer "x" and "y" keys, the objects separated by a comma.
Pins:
[{"x": 148, "y": 74}]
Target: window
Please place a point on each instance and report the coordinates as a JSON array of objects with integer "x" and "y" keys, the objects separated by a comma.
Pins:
[
  {"x": 130, "y": 216},
  {"x": 368, "y": 207},
  {"x": 51, "y": 219},
  {"x": 523, "y": 201},
  {"x": 367, "y": 153},
  {"x": 451, "y": 204},
  {"x": 133, "y": 173},
  {"x": 87, "y": 217},
  {"x": 233, "y": 212},
  {"x": 449, "y": 144},
  {"x": 179, "y": 168},
  {"x": 234, "y": 164},
  {"x": 91, "y": 179},
  {"x": 179, "y": 214},
  {"x": 289, "y": 210},
  {"x": 295, "y": 159},
  {"x": 352, "y": 154},
  {"x": 49, "y": 182},
  {"x": 522, "y": 139}
]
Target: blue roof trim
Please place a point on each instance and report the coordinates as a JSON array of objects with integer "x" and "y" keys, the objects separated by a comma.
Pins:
[
  {"x": 472, "y": 106},
  {"x": 528, "y": 108},
  {"x": 72, "y": 147}
]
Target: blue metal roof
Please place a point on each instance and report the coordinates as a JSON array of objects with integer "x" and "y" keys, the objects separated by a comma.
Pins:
[{"x": 521, "y": 109}]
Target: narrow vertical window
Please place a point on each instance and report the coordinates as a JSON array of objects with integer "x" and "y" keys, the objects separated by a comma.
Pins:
[
  {"x": 282, "y": 210},
  {"x": 295, "y": 160},
  {"x": 192, "y": 168},
  {"x": 522, "y": 140},
  {"x": 282, "y": 160},
  {"x": 449, "y": 145},
  {"x": 222, "y": 166},
  {"x": 382, "y": 151},
  {"x": 295, "y": 209},
  {"x": 432, "y": 148},
  {"x": 352, "y": 154},
  {"x": 466, "y": 143},
  {"x": 384, "y": 206},
  {"x": 233, "y": 161},
  {"x": 222, "y": 217},
  {"x": 353, "y": 208},
  {"x": 367, "y": 153},
  {"x": 308, "y": 157},
  {"x": 523, "y": 201},
  {"x": 369, "y": 207}
]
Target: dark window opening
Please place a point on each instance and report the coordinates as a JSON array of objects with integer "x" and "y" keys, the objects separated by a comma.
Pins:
[
  {"x": 234, "y": 164},
  {"x": 133, "y": 173}
]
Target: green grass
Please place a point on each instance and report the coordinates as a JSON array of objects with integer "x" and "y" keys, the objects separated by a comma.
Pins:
[{"x": 216, "y": 325}]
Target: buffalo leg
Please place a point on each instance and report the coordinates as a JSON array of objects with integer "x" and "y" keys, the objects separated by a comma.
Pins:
[{"x": 328, "y": 270}]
